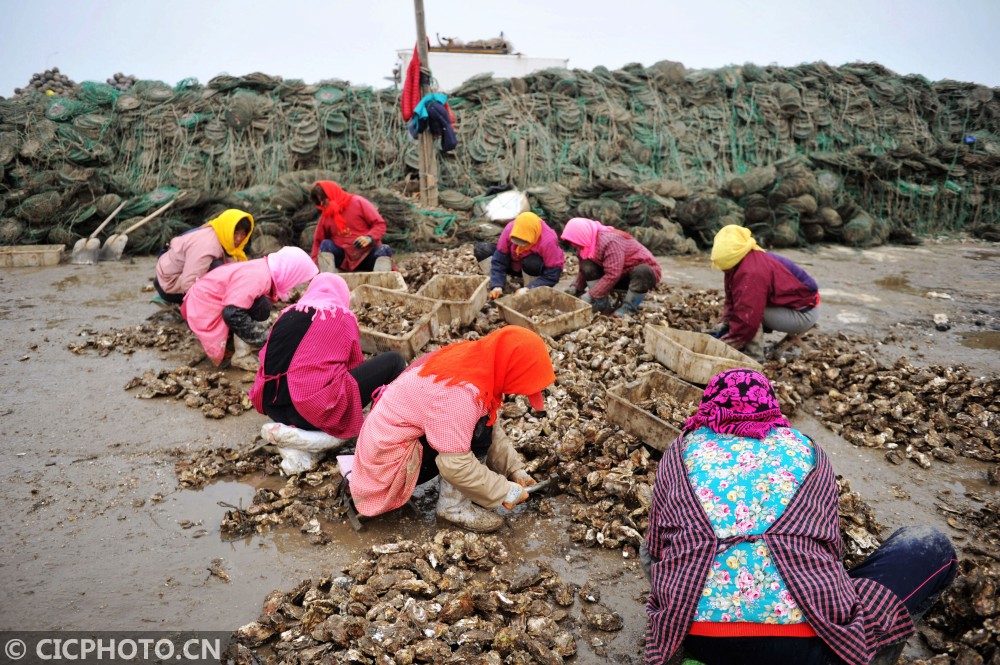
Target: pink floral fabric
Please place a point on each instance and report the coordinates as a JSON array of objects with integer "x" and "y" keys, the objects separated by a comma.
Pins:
[
  {"x": 738, "y": 401},
  {"x": 744, "y": 485}
]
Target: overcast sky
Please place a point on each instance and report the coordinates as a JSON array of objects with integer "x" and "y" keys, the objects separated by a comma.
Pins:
[{"x": 169, "y": 40}]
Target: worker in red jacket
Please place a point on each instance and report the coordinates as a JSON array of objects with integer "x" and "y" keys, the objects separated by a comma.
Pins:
[
  {"x": 764, "y": 292},
  {"x": 349, "y": 234}
]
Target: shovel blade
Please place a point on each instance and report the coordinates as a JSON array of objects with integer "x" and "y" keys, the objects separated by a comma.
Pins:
[
  {"x": 113, "y": 247},
  {"x": 85, "y": 251}
]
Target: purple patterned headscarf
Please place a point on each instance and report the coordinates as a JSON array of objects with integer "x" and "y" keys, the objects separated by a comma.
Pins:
[{"x": 740, "y": 402}]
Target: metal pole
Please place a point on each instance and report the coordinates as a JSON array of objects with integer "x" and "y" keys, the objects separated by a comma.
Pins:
[{"x": 428, "y": 159}]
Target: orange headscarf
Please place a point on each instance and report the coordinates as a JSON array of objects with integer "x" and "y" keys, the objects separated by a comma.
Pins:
[
  {"x": 337, "y": 201},
  {"x": 508, "y": 361}
]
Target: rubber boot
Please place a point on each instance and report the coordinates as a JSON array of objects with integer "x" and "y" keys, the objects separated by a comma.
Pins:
[
  {"x": 243, "y": 355},
  {"x": 452, "y": 506},
  {"x": 630, "y": 305},
  {"x": 486, "y": 265},
  {"x": 327, "y": 263},
  {"x": 383, "y": 264},
  {"x": 755, "y": 347}
]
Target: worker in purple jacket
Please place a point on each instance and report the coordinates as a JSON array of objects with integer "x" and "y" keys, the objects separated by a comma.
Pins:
[
  {"x": 528, "y": 247},
  {"x": 764, "y": 292},
  {"x": 744, "y": 551}
]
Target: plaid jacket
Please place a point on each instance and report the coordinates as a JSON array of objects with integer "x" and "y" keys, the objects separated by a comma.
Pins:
[{"x": 854, "y": 617}]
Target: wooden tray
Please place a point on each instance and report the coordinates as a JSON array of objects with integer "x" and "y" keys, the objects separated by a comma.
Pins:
[
  {"x": 623, "y": 409},
  {"x": 30, "y": 256},
  {"x": 567, "y": 313},
  {"x": 693, "y": 356}
]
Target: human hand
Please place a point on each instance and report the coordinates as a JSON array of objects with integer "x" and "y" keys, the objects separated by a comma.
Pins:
[
  {"x": 515, "y": 495},
  {"x": 735, "y": 343},
  {"x": 521, "y": 291},
  {"x": 362, "y": 241},
  {"x": 496, "y": 292},
  {"x": 522, "y": 478}
]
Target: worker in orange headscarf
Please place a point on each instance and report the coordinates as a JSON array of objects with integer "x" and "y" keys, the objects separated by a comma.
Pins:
[
  {"x": 528, "y": 247},
  {"x": 349, "y": 234},
  {"x": 438, "y": 418}
]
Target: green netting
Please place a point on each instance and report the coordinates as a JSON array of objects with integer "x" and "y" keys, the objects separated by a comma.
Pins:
[
  {"x": 98, "y": 94},
  {"x": 62, "y": 109}
]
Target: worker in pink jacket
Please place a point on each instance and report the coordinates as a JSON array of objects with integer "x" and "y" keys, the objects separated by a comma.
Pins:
[
  {"x": 237, "y": 297},
  {"x": 195, "y": 252}
]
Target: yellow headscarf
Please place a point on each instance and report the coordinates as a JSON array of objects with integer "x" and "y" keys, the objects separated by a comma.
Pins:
[
  {"x": 731, "y": 244},
  {"x": 527, "y": 227},
  {"x": 225, "y": 228}
]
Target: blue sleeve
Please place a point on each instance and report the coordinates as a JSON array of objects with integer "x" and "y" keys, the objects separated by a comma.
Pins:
[
  {"x": 549, "y": 277},
  {"x": 498, "y": 269}
]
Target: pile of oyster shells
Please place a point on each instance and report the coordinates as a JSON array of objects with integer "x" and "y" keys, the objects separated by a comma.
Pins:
[
  {"x": 388, "y": 318},
  {"x": 151, "y": 334},
  {"x": 455, "y": 598},
  {"x": 211, "y": 392},
  {"x": 916, "y": 413}
]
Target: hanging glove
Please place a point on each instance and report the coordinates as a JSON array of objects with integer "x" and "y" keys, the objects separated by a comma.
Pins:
[
  {"x": 515, "y": 495},
  {"x": 362, "y": 241},
  {"x": 496, "y": 292}
]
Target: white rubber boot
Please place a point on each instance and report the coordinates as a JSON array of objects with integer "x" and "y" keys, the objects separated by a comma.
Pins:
[
  {"x": 383, "y": 264},
  {"x": 452, "y": 506},
  {"x": 243, "y": 355},
  {"x": 326, "y": 262}
]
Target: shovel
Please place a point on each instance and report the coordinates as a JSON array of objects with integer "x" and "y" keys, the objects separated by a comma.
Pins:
[
  {"x": 115, "y": 244},
  {"x": 85, "y": 250}
]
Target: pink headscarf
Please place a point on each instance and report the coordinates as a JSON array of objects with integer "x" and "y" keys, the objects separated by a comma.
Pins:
[
  {"x": 289, "y": 267},
  {"x": 582, "y": 233},
  {"x": 327, "y": 294},
  {"x": 740, "y": 402}
]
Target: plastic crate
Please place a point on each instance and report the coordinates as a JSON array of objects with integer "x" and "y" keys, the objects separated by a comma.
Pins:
[
  {"x": 623, "y": 409},
  {"x": 568, "y": 313},
  {"x": 30, "y": 256},
  {"x": 408, "y": 344},
  {"x": 391, "y": 280},
  {"x": 693, "y": 356},
  {"x": 461, "y": 296}
]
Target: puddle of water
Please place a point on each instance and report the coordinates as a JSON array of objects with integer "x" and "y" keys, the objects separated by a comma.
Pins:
[
  {"x": 897, "y": 283},
  {"x": 989, "y": 340}
]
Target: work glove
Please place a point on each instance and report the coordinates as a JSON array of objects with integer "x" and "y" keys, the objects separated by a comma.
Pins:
[
  {"x": 522, "y": 478},
  {"x": 601, "y": 305},
  {"x": 573, "y": 291},
  {"x": 587, "y": 298},
  {"x": 362, "y": 241},
  {"x": 515, "y": 495},
  {"x": 260, "y": 309},
  {"x": 521, "y": 291},
  {"x": 496, "y": 292},
  {"x": 719, "y": 330}
]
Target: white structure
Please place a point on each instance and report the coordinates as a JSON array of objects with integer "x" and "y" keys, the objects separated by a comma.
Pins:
[{"x": 451, "y": 69}]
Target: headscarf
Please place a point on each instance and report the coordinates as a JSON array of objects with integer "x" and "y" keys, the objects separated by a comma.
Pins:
[
  {"x": 327, "y": 294},
  {"x": 730, "y": 245},
  {"x": 337, "y": 200},
  {"x": 225, "y": 228},
  {"x": 289, "y": 267},
  {"x": 527, "y": 227},
  {"x": 511, "y": 361},
  {"x": 582, "y": 232},
  {"x": 740, "y": 402}
]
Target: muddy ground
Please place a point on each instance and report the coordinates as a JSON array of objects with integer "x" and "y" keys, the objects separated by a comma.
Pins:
[{"x": 96, "y": 535}]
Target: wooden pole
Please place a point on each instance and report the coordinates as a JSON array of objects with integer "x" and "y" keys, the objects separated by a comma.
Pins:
[{"x": 428, "y": 158}]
